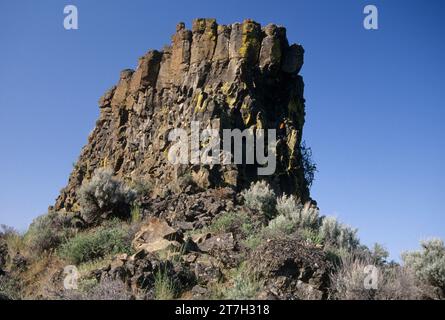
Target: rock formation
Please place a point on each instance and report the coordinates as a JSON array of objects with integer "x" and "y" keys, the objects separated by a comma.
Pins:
[{"x": 234, "y": 76}]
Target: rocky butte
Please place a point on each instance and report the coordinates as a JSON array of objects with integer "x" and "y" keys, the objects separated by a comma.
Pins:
[{"x": 224, "y": 76}]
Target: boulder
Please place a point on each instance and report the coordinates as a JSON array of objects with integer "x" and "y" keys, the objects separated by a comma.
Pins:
[
  {"x": 191, "y": 211},
  {"x": 199, "y": 293},
  {"x": 217, "y": 243},
  {"x": 207, "y": 269},
  {"x": 293, "y": 59},
  {"x": 156, "y": 235},
  {"x": 158, "y": 245}
]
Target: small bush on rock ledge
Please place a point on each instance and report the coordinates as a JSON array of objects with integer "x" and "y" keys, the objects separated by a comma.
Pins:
[
  {"x": 261, "y": 197},
  {"x": 105, "y": 196},
  {"x": 301, "y": 216}
]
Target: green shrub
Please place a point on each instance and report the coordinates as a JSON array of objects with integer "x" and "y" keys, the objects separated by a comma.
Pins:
[
  {"x": 281, "y": 224},
  {"x": 392, "y": 282},
  {"x": 292, "y": 215},
  {"x": 260, "y": 197},
  {"x": 309, "y": 165},
  {"x": 248, "y": 228},
  {"x": 224, "y": 222},
  {"x": 11, "y": 242},
  {"x": 301, "y": 216},
  {"x": 253, "y": 241},
  {"x": 379, "y": 254},
  {"x": 428, "y": 263},
  {"x": 136, "y": 214},
  {"x": 288, "y": 205},
  {"x": 337, "y": 234},
  {"x": 49, "y": 231},
  {"x": 246, "y": 285},
  {"x": 236, "y": 222},
  {"x": 105, "y": 196},
  {"x": 308, "y": 217},
  {"x": 164, "y": 286},
  {"x": 311, "y": 236},
  {"x": 9, "y": 288},
  {"x": 96, "y": 244}
]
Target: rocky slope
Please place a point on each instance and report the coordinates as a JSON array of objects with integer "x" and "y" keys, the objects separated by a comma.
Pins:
[{"x": 225, "y": 76}]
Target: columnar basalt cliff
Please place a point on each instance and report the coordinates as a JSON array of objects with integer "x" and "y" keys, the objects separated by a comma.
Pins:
[{"x": 234, "y": 76}]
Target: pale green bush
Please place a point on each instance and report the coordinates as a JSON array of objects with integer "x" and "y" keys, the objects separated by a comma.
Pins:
[
  {"x": 105, "y": 196},
  {"x": 392, "y": 282},
  {"x": 245, "y": 285},
  {"x": 293, "y": 210},
  {"x": 9, "y": 288},
  {"x": 311, "y": 236},
  {"x": 261, "y": 197},
  {"x": 428, "y": 263},
  {"x": 281, "y": 224},
  {"x": 164, "y": 286},
  {"x": 236, "y": 222},
  {"x": 288, "y": 205},
  {"x": 307, "y": 218},
  {"x": 48, "y": 231},
  {"x": 337, "y": 234}
]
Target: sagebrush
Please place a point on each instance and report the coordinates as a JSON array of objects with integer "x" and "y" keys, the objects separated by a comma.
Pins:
[
  {"x": 260, "y": 197},
  {"x": 428, "y": 264},
  {"x": 105, "y": 196}
]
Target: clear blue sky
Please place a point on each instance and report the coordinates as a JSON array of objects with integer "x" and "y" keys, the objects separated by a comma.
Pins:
[{"x": 375, "y": 100}]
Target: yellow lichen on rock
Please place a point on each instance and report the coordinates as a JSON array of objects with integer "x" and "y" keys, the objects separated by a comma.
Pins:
[
  {"x": 104, "y": 163},
  {"x": 246, "y": 114},
  {"x": 201, "y": 102},
  {"x": 292, "y": 144},
  {"x": 250, "y": 46}
]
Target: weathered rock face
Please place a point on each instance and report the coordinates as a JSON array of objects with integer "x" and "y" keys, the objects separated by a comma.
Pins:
[
  {"x": 189, "y": 211},
  {"x": 236, "y": 76}
]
